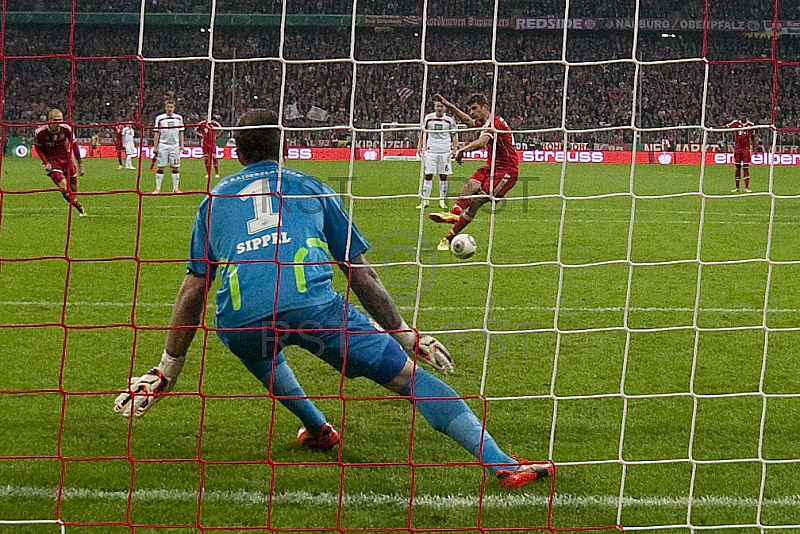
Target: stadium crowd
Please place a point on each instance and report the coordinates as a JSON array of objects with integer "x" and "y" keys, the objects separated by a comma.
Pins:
[
  {"x": 727, "y": 10},
  {"x": 530, "y": 95}
]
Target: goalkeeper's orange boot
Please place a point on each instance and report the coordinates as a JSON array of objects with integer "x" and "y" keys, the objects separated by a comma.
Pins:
[
  {"x": 444, "y": 218},
  {"x": 324, "y": 439},
  {"x": 526, "y": 473}
]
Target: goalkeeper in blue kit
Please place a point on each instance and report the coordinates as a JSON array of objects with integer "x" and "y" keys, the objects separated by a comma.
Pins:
[{"x": 272, "y": 234}]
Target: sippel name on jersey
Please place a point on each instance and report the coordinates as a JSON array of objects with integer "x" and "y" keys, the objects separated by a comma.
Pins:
[{"x": 261, "y": 242}]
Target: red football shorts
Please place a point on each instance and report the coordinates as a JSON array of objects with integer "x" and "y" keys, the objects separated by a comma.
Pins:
[
  {"x": 499, "y": 184},
  {"x": 62, "y": 170},
  {"x": 741, "y": 156},
  {"x": 209, "y": 151}
]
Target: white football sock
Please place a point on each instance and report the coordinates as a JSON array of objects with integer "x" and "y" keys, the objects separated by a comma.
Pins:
[
  {"x": 427, "y": 187},
  {"x": 443, "y": 187},
  {"x": 176, "y": 177},
  {"x": 159, "y": 179}
]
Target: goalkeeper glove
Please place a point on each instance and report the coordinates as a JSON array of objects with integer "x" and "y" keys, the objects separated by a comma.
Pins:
[
  {"x": 425, "y": 348},
  {"x": 146, "y": 390}
]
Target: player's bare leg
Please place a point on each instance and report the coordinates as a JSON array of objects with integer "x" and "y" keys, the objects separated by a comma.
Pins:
[
  {"x": 746, "y": 171},
  {"x": 472, "y": 187},
  {"x": 444, "y": 185},
  {"x": 176, "y": 178},
  {"x": 737, "y": 176},
  {"x": 427, "y": 187}
]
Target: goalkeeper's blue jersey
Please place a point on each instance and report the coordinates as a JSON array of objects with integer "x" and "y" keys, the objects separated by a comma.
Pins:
[{"x": 272, "y": 240}]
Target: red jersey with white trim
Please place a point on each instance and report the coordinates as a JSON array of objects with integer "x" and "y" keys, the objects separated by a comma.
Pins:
[
  {"x": 118, "y": 135},
  {"x": 56, "y": 147},
  {"x": 742, "y": 139},
  {"x": 506, "y": 153},
  {"x": 209, "y": 131}
]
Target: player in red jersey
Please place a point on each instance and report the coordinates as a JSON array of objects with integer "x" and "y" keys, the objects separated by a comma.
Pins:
[
  {"x": 742, "y": 147},
  {"x": 55, "y": 144},
  {"x": 209, "y": 130},
  {"x": 495, "y": 179},
  {"x": 118, "y": 142}
]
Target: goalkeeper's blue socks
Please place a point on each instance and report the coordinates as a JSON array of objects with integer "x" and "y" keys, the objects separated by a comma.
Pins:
[
  {"x": 450, "y": 415},
  {"x": 284, "y": 384}
]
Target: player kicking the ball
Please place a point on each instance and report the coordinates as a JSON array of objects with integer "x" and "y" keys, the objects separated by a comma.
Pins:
[
  {"x": 437, "y": 140},
  {"x": 168, "y": 144},
  {"x": 495, "y": 179},
  {"x": 264, "y": 305},
  {"x": 55, "y": 144}
]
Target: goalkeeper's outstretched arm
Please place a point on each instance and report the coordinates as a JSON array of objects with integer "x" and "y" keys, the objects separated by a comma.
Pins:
[
  {"x": 186, "y": 314},
  {"x": 379, "y": 304},
  {"x": 146, "y": 390},
  {"x": 372, "y": 294}
]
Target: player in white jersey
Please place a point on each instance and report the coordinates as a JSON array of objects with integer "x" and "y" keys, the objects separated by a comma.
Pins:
[
  {"x": 127, "y": 141},
  {"x": 168, "y": 144},
  {"x": 439, "y": 138}
]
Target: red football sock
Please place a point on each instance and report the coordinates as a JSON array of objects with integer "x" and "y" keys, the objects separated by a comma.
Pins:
[
  {"x": 462, "y": 221},
  {"x": 737, "y": 176},
  {"x": 747, "y": 178},
  {"x": 461, "y": 205},
  {"x": 72, "y": 200}
]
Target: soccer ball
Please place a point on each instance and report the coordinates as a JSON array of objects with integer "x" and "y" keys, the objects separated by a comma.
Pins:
[{"x": 463, "y": 246}]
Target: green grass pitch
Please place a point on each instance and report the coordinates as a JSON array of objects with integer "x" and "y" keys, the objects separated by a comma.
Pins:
[{"x": 228, "y": 451}]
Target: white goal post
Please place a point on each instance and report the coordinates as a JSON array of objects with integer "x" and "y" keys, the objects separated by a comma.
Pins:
[{"x": 391, "y": 127}]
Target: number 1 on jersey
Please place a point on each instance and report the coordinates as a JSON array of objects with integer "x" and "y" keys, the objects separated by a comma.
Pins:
[{"x": 265, "y": 217}]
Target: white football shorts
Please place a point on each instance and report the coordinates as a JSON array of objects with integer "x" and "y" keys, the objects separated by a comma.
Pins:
[
  {"x": 130, "y": 150},
  {"x": 168, "y": 155},
  {"x": 438, "y": 164}
]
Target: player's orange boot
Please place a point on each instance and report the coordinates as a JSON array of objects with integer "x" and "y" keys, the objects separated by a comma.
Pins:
[
  {"x": 156, "y": 191},
  {"x": 176, "y": 191},
  {"x": 323, "y": 440},
  {"x": 443, "y": 218},
  {"x": 526, "y": 473}
]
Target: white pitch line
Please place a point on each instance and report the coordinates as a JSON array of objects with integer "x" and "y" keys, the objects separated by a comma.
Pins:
[
  {"x": 361, "y": 499},
  {"x": 193, "y": 209},
  {"x": 709, "y": 220},
  {"x": 577, "y": 309}
]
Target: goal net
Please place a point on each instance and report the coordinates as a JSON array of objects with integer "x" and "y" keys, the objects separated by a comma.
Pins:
[{"x": 630, "y": 314}]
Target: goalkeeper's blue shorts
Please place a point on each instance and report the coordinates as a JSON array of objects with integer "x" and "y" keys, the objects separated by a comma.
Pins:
[{"x": 346, "y": 341}]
